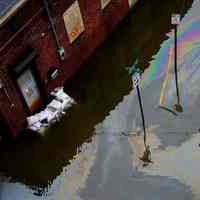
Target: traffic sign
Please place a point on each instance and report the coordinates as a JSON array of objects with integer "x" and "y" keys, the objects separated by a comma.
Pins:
[
  {"x": 175, "y": 19},
  {"x": 136, "y": 79},
  {"x": 134, "y": 68}
]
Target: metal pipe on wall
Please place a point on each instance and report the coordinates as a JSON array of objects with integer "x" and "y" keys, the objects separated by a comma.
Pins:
[{"x": 60, "y": 49}]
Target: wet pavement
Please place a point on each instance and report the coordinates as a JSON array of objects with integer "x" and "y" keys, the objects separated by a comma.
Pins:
[{"x": 87, "y": 156}]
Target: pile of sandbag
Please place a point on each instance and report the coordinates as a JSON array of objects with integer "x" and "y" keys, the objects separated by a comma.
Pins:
[{"x": 52, "y": 113}]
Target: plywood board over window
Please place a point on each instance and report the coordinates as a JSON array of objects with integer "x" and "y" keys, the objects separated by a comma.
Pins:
[
  {"x": 132, "y": 3},
  {"x": 29, "y": 89},
  {"x": 73, "y": 21},
  {"x": 104, "y": 3}
]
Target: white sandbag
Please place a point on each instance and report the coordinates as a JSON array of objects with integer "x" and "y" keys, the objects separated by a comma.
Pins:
[
  {"x": 32, "y": 120},
  {"x": 66, "y": 104},
  {"x": 59, "y": 94},
  {"x": 53, "y": 111},
  {"x": 52, "y": 114},
  {"x": 36, "y": 126},
  {"x": 42, "y": 115},
  {"x": 56, "y": 91},
  {"x": 55, "y": 104}
]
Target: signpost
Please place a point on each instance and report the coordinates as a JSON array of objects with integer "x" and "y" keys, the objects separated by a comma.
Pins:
[
  {"x": 135, "y": 72},
  {"x": 175, "y": 20}
]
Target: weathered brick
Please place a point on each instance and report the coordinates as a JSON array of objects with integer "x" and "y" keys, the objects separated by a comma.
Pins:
[{"x": 36, "y": 33}]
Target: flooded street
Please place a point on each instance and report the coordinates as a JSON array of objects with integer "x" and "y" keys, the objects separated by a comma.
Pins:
[{"x": 93, "y": 153}]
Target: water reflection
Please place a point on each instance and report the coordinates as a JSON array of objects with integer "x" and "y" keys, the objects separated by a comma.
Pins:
[
  {"x": 58, "y": 165},
  {"x": 66, "y": 185}
]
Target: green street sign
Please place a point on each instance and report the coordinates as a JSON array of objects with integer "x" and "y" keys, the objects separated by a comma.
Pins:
[{"x": 134, "y": 68}]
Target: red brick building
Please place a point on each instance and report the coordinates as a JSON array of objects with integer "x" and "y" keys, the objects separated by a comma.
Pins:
[{"x": 43, "y": 43}]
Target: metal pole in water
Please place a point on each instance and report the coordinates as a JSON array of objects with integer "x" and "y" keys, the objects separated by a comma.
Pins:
[
  {"x": 177, "y": 106},
  {"x": 142, "y": 114},
  {"x": 135, "y": 72}
]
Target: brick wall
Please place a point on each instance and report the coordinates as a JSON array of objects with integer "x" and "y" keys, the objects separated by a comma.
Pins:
[{"x": 37, "y": 35}]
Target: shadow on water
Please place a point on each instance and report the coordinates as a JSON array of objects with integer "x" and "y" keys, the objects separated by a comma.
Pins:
[{"x": 98, "y": 88}]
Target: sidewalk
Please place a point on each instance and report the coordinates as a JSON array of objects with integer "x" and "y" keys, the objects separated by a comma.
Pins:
[{"x": 174, "y": 140}]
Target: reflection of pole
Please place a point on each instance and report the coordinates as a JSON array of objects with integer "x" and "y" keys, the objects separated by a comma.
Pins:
[
  {"x": 142, "y": 114},
  {"x": 177, "y": 106}
]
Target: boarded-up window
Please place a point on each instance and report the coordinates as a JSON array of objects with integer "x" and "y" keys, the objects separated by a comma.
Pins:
[
  {"x": 73, "y": 21},
  {"x": 104, "y": 3},
  {"x": 29, "y": 89},
  {"x": 132, "y": 2}
]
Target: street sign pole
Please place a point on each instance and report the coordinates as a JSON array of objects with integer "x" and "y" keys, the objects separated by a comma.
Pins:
[
  {"x": 175, "y": 21},
  {"x": 177, "y": 106},
  {"x": 142, "y": 114},
  {"x": 135, "y": 72}
]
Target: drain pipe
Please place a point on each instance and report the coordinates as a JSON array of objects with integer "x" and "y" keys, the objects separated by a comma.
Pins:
[{"x": 60, "y": 49}]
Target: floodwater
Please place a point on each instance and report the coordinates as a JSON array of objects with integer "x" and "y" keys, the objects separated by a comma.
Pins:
[{"x": 86, "y": 156}]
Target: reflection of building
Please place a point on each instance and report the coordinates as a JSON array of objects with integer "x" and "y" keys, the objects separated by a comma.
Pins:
[{"x": 42, "y": 43}]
